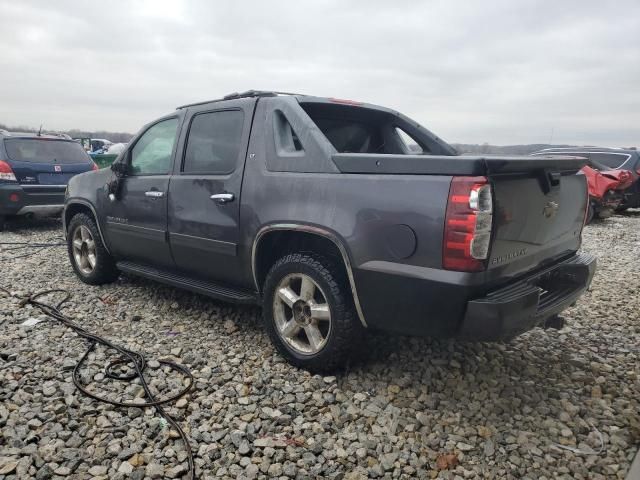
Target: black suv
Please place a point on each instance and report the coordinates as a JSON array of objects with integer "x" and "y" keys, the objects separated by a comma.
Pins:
[
  {"x": 614, "y": 158},
  {"x": 35, "y": 170}
]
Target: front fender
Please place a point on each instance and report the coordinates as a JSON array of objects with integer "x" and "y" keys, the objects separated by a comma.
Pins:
[{"x": 84, "y": 192}]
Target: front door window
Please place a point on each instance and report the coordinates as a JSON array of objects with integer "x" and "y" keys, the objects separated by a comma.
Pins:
[{"x": 151, "y": 155}]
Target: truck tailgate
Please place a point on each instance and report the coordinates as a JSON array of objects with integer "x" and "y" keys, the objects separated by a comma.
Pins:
[{"x": 538, "y": 217}]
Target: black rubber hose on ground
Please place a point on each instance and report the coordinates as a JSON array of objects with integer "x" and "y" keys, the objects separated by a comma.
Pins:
[
  {"x": 128, "y": 357},
  {"x": 39, "y": 247}
]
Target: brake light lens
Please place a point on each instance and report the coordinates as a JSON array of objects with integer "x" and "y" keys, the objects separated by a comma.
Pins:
[
  {"x": 468, "y": 222},
  {"x": 6, "y": 174},
  {"x": 345, "y": 102},
  {"x": 94, "y": 167}
]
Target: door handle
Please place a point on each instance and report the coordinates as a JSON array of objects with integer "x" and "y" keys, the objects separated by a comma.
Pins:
[
  {"x": 222, "y": 197},
  {"x": 154, "y": 194}
]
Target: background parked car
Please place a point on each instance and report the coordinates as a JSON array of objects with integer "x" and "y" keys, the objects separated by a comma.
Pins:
[
  {"x": 108, "y": 154},
  {"x": 603, "y": 158},
  {"x": 606, "y": 189},
  {"x": 100, "y": 145},
  {"x": 35, "y": 170},
  {"x": 116, "y": 148}
]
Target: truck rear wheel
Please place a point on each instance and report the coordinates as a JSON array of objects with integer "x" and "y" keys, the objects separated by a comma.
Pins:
[
  {"x": 89, "y": 257},
  {"x": 308, "y": 312}
]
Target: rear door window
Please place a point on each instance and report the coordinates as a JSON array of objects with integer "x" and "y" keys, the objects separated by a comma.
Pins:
[
  {"x": 213, "y": 144},
  {"x": 151, "y": 155},
  {"x": 41, "y": 150}
]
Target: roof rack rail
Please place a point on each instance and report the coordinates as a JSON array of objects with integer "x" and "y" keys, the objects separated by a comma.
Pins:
[{"x": 235, "y": 95}]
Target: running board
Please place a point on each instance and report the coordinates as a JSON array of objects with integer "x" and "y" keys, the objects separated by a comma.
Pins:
[{"x": 199, "y": 286}]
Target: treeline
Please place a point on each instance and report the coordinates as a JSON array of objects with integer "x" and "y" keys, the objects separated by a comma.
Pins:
[{"x": 115, "y": 137}]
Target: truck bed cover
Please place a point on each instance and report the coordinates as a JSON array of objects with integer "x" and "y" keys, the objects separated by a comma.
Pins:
[{"x": 452, "y": 165}]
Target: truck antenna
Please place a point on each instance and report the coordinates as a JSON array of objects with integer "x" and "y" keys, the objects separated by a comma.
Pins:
[{"x": 40, "y": 130}]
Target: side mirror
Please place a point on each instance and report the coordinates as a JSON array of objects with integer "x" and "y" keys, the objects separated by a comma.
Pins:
[{"x": 119, "y": 168}]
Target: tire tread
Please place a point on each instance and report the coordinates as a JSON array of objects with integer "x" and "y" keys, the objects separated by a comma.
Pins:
[{"x": 346, "y": 324}]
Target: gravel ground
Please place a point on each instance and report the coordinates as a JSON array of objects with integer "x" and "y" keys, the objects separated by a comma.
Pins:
[{"x": 411, "y": 408}]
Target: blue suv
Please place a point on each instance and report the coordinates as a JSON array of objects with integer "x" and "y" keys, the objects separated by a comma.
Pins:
[{"x": 35, "y": 170}]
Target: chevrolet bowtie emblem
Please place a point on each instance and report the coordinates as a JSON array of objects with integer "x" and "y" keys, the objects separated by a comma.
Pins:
[{"x": 550, "y": 209}]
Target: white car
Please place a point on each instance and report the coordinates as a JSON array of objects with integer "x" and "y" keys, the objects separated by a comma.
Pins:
[{"x": 116, "y": 148}]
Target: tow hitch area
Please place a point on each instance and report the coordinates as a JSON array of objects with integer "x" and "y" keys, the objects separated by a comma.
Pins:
[
  {"x": 531, "y": 302},
  {"x": 556, "y": 322}
]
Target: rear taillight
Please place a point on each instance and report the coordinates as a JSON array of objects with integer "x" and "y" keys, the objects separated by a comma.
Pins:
[
  {"x": 6, "y": 174},
  {"x": 94, "y": 167},
  {"x": 467, "y": 229}
]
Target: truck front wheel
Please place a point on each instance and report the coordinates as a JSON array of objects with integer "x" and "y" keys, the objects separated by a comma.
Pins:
[
  {"x": 89, "y": 257},
  {"x": 309, "y": 313}
]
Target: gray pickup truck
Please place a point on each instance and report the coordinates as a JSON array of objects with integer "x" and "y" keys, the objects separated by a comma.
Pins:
[{"x": 335, "y": 216}]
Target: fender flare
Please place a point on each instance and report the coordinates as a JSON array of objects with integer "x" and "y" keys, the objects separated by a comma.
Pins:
[
  {"x": 314, "y": 230},
  {"x": 84, "y": 203}
]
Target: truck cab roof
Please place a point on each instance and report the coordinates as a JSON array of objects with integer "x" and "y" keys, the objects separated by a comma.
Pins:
[{"x": 301, "y": 97}]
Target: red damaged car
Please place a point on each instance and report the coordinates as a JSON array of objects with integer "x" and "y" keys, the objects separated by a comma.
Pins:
[
  {"x": 606, "y": 189},
  {"x": 613, "y": 176}
]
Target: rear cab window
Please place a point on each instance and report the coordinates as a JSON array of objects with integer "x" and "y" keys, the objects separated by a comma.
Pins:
[
  {"x": 45, "y": 150},
  {"x": 357, "y": 129},
  {"x": 409, "y": 142}
]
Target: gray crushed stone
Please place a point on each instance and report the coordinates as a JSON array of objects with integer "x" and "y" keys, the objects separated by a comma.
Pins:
[{"x": 410, "y": 408}]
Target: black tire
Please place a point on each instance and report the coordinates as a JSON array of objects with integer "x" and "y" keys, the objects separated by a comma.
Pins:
[
  {"x": 622, "y": 209},
  {"x": 345, "y": 331},
  {"x": 105, "y": 270}
]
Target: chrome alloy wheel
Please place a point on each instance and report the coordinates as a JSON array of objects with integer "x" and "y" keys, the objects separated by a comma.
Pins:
[
  {"x": 302, "y": 314},
  {"x": 84, "y": 250}
]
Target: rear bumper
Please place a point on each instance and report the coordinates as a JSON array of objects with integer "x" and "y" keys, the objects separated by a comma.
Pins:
[
  {"x": 18, "y": 199},
  {"x": 520, "y": 306},
  {"x": 433, "y": 302}
]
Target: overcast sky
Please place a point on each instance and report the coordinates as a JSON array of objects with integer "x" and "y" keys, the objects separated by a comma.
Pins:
[{"x": 503, "y": 72}]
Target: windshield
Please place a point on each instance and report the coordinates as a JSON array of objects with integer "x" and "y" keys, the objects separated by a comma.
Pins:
[{"x": 40, "y": 150}]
